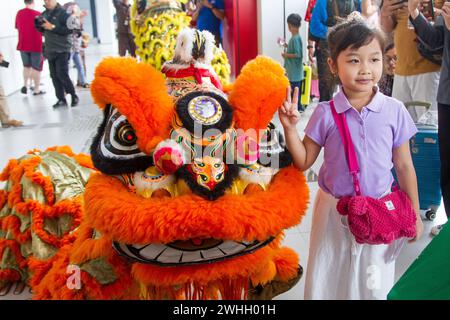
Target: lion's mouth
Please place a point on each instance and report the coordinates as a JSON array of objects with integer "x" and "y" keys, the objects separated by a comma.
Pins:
[{"x": 190, "y": 252}]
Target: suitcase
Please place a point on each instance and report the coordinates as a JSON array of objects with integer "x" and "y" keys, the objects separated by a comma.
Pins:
[
  {"x": 425, "y": 156},
  {"x": 424, "y": 148},
  {"x": 305, "y": 90}
]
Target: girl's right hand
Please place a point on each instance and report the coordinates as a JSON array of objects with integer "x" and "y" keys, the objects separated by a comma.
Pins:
[{"x": 288, "y": 112}]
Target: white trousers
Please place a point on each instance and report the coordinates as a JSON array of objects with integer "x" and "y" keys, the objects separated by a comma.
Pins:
[
  {"x": 338, "y": 267},
  {"x": 422, "y": 87}
]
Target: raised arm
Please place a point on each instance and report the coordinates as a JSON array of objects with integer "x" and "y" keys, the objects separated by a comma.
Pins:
[
  {"x": 367, "y": 8},
  {"x": 389, "y": 9},
  {"x": 304, "y": 153},
  {"x": 432, "y": 35},
  {"x": 218, "y": 10}
]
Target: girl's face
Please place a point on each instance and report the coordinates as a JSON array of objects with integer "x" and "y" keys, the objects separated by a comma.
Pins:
[{"x": 359, "y": 69}]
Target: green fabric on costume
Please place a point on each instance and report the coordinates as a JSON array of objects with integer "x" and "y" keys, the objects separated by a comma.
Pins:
[
  {"x": 68, "y": 177},
  {"x": 429, "y": 276},
  {"x": 101, "y": 270}
]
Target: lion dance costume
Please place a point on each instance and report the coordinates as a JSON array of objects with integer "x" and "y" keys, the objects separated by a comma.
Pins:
[
  {"x": 181, "y": 200},
  {"x": 156, "y": 24}
]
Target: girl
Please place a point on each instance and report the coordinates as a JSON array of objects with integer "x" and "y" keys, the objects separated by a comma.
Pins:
[{"x": 380, "y": 126}]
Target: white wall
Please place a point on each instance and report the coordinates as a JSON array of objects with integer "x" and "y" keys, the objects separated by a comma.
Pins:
[
  {"x": 105, "y": 25},
  {"x": 271, "y": 25}
]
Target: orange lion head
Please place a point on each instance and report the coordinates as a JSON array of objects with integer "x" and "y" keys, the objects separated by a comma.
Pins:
[{"x": 195, "y": 186}]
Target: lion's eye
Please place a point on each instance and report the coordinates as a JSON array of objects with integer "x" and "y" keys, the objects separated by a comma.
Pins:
[
  {"x": 204, "y": 178},
  {"x": 126, "y": 136}
]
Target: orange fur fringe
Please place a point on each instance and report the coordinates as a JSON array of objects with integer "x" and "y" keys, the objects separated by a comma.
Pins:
[
  {"x": 258, "y": 92},
  {"x": 128, "y": 218}
]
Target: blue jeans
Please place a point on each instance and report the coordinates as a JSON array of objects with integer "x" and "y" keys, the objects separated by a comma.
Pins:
[
  {"x": 79, "y": 65},
  {"x": 297, "y": 84}
]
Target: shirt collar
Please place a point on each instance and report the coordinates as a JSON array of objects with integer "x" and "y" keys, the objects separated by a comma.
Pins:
[{"x": 341, "y": 102}]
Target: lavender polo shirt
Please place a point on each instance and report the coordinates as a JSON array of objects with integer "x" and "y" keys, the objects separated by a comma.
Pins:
[{"x": 383, "y": 125}]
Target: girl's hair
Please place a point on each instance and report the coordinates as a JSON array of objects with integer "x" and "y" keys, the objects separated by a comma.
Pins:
[
  {"x": 353, "y": 33},
  {"x": 295, "y": 20}
]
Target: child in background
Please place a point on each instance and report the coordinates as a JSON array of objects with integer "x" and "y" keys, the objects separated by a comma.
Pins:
[
  {"x": 293, "y": 56},
  {"x": 380, "y": 126}
]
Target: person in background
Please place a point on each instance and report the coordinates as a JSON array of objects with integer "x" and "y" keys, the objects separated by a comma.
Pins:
[
  {"x": 386, "y": 82},
  {"x": 30, "y": 47},
  {"x": 124, "y": 34},
  {"x": 75, "y": 23},
  {"x": 436, "y": 36},
  {"x": 293, "y": 56},
  {"x": 209, "y": 15},
  {"x": 53, "y": 24},
  {"x": 325, "y": 15},
  {"x": 372, "y": 12},
  {"x": 5, "y": 120},
  {"x": 416, "y": 78}
]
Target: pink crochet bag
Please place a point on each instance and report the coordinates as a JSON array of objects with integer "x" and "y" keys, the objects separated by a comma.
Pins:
[{"x": 370, "y": 220}]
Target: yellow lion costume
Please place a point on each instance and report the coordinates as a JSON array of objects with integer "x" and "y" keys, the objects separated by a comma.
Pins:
[
  {"x": 156, "y": 25},
  {"x": 185, "y": 202}
]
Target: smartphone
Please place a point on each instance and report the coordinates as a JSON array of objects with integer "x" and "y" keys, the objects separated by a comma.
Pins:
[
  {"x": 4, "y": 64},
  {"x": 428, "y": 9}
]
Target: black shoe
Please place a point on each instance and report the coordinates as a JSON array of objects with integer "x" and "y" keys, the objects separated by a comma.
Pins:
[
  {"x": 24, "y": 90},
  {"x": 60, "y": 103},
  {"x": 75, "y": 100}
]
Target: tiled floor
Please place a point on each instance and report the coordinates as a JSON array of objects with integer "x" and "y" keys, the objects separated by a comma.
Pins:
[{"x": 45, "y": 127}]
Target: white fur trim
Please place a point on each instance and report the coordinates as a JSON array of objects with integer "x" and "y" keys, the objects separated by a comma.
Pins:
[
  {"x": 209, "y": 47},
  {"x": 184, "y": 46}
]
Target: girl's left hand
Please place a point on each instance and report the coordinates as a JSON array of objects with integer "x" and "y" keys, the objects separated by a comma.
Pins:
[
  {"x": 288, "y": 112},
  {"x": 419, "y": 229}
]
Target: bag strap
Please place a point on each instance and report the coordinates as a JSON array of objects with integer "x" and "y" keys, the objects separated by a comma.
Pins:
[{"x": 350, "y": 153}]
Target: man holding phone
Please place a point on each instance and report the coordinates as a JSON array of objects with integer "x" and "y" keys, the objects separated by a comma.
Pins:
[
  {"x": 416, "y": 78},
  {"x": 58, "y": 43}
]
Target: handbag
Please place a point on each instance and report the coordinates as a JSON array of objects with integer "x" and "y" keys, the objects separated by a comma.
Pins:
[{"x": 370, "y": 220}]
